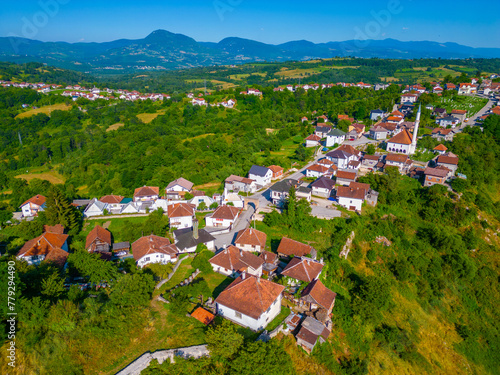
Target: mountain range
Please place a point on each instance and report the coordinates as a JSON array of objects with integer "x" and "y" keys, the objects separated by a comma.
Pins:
[{"x": 163, "y": 50}]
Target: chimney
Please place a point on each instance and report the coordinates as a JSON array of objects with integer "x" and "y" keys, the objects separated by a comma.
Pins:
[
  {"x": 195, "y": 229},
  {"x": 243, "y": 276},
  {"x": 241, "y": 253}
]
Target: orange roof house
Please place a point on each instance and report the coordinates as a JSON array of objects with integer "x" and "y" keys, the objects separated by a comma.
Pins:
[
  {"x": 48, "y": 247},
  {"x": 251, "y": 239},
  {"x": 289, "y": 247},
  {"x": 99, "y": 239},
  {"x": 277, "y": 170}
]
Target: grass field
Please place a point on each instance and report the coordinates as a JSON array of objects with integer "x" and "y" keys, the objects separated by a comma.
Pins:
[
  {"x": 46, "y": 109},
  {"x": 52, "y": 176},
  {"x": 116, "y": 126},
  {"x": 471, "y": 104},
  {"x": 148, "y": 117},
  {"x": 298, "y": 73}
]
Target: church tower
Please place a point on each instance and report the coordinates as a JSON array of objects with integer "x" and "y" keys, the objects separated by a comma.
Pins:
[{"x": 413, "y": 145}]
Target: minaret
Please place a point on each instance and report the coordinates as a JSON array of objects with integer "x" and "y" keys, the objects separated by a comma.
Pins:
[{"x": 413, "y": 145}]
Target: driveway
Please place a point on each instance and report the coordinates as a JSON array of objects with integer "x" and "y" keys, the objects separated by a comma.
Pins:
[
  {"x": 361, "y": 141},
  {"x": 243, "y": 222}
]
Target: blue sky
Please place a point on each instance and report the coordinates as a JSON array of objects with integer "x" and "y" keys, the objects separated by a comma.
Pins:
[{"x": 474, "y": 24}]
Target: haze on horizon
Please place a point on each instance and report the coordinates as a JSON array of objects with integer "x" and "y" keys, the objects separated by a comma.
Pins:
[{"x": 269, "y": 22}]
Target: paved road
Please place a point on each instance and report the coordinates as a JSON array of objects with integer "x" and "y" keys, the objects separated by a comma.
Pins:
[
  {"x": 482, "y": 111},
  {"x": 361, "y": 141},
  {"x": 243, "y": 221}
]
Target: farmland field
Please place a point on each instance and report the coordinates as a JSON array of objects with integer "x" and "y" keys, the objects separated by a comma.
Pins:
[{"x": 46, "y": 109}]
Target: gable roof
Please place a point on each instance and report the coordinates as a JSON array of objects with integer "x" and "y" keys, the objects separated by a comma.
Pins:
[
  {"x": 448, "y": 158},
  {"x": 235, "y": 259},
  {"x": 203, "y": 315},
  {"x": 397, "y": 158},
  {"x": 188, "y": 185},
  {"x": 318, "y": 168},
  {"x": 284, "y": 186},
  {"x": 146, "y": 191},
  {"x": 152, "y": 244},
  {"x": 360, "y": 185},
  {"x": 336, "y": 133},
  {"x": 268, "y": 257},
  {"x": 403, "y": 138},
  {"x": 371, "y": 157},
  {"x": 440, "y": 147},
  {"x": 184, "y": 238},
  {"x": 98, "y": 233},
  {"x": 275, "y": 169},
  {"x": 311, "y": 330},
  {"x": 37, "y": 199},
  {"x": 226, "y": 212},
  {"x": 437, "y": 172},
  {"x": 351, "y": 192},
  {"x": 180, "y": 210},
  {"x": 111, "y": 199},
  {"x": 313, "y": 137},
  {"x": 258, "y": 170},
  {"x": 346, "y": 175},
  {"x": 349, "y": 149},
  {"x": 250, "y": 236},
  {"x": 289, "y": 247},
  {"x": 250, "y": 295},
  {"x": 323, "y": 183},
  {"x": 46, "y": 244},
  {"x": 319, "y": 294},
  {"x": 303, "y": 269},
  {"x": 243, "y": 180}
]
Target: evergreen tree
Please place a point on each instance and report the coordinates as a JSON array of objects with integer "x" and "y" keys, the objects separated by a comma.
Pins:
[{"x": 59, "y": 210}]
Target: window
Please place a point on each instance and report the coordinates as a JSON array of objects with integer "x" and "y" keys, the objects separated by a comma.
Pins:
[
  {"x": 237, "y": 314},
  {"x": 269, "y": 309},
  {"x": 146, "y": 259}
]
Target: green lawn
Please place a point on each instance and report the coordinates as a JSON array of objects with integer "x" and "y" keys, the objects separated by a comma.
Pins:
[
  {"x": 116, "y": 226},
  {"x": 285, "y": 311},
  {"x": 471, "y": 104}
]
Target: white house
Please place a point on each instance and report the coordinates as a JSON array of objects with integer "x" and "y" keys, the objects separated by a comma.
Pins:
[
  {"x": 335, "y": 136},
  {"x": 377, "y": 114},
  {"x": 94, "y": 208},
  {"x": 448, "y": 121},
  {"x": 146, "y": 194},
  {"x": 237, "y": 184},
  {"x": 313, "y": 140},
  {"x": 180, "y": 215},
  {"x": 181, "y": 184},
  {"x": 197, "y": 200},
  {"x": 250, "y": 301},
  {"x": 342, "y": 155},
  {"x": 251, "y": 239},
  {"x": 409, "y": 98},
  {"x": 261, "y": 175},
  {"x": 33, "y": 205},
  {"x": 322, "y": 187},
  {"x": 233, "y": 262},
  {"x": 49, "y": 246},
  {"x": 401, "y": 142},
  {"x": 153, "y": 249},
  {"x": 281, "y": 189},
  {"x": 223, "y": 216},
  {"x": 316, "y": 170},
  {"x": 351, "y": 198}
]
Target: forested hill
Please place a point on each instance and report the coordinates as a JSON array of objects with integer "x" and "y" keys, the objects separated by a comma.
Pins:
[
  {"x": 37, "y": 72},
  {"x": 163, "y": 50}
]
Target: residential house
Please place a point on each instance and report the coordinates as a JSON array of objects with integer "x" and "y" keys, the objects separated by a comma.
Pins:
[
  {"x": 322, "y": 130},
  {"x": 153, "y": 249},
  {"x": 178, "y": 188},
  {"x": 409, "y": 98},
  {"x": 281, "y": 189},
  {"x": 180, "y": 215},
  {"x": 335, "y": 136},
  {"x": 350, "y": 198},
  {"x": 291, "y": 248},
  {"x": 401, "y": 161},
  {"x": 146, "y": 194},
  {"x": 271, "y": 261},
  {"x": 311, "y": 332},
  {"x": 435, "y": 176},
  {"x": 237, "y": 184},
  {"x": 304, "y": 193},
  {"x": 98, "y": 240},
  {"x": 234, "y": 262},
  {"x": 400, "y": 143},
  {"x": 317, "y": 170},
  {"x": 448, "y": 121},
  {"x": 440, "y": 149},
  {"x": 261, "y": 175},
  {"x": 450, "y": 86},
  {"x": 251, "y": 239},
  {"x": 467, "y": 89},
  {"x": 443, "y": 134},
  {"x": 277, "y": 171},
  {"x": 378, "y": 133},
  {"x": 371, "y": 196},
  {"x": 440, "y": 112},
  {"x": 121, "y": 249},
  {"x": 233, "y": 199},
  {"x": 188, "y": 239},
  {"x": 199, "y": 199},
  {"x": 223, "y": 216},
  {"x": 49, "y": 246},
  {"x": 460, "y": 114},
  {"x": 448, "y": 160},
  {"x": 345, "y": 177},
  {"x": 342, "y": 155},
  {"x": 370, "y": 161},
  {"x": 33, "y": 205},
  {"x": 354, "y": 164},
  {"x": 323, "y": 187},
  {"x": 114, "y": 203},
  {"x": 312, "y": 140},
  {"x": 317, "y": 296},
  {"x": 302, "y": 270},
  {"x": 250, "y": 301},
  {"x": 377, "y": 114},
  {"x": 94, "y": 208}
]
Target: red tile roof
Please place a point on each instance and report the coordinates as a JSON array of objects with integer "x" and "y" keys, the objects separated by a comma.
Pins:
[
  {"x": 46, "y": 244},
  {"x": 203, "y": 315},
  {"x": 180, "y": 210},
  {"x": 398, "y": 158},
  {"x": 276, "y": 169},
  {"x": 448, "y": 158},
  {"x": 251, "y": 236},
  {"x": 111, "y": 199},
  {"x": 152, "y": 244},
  {"x": 226, "y": 212},
  {"x": 236, "y": 260},
  {"x": 98, "y": 233},
  {"x": 268, "y": 257},
  {"x": 403, "y": 138},
  {"x": 318, "y": 168},
  {"x": 346, "y": 175},
  {"x": 319, "y": 294},
  {"x": 303, "y": 269},
  {"x": 437, "y": 172},
  {"x": 250, "y": 295},
  {"x": 37, "y": 199},
  {"x": 291, "y": 247},
  {"x": 440, "y": 147},
  {"x": 351, "y": 193},
  {"x": 146, "y": 191},
  {"x": 313, "y": 137}
]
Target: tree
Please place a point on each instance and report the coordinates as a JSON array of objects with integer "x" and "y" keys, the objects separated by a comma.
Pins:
[
  {"x": 223, "y": 341},
  {"x": 343, "y": 125},
  {"x": 214, "y": 205},
  {"x": 60, "y": 211},
  {"x": 133, "y": 290},
  {"x": 92, "y": 267},
  {"x": 53, "y": 286},
  {"x": 370, "y": 149}
]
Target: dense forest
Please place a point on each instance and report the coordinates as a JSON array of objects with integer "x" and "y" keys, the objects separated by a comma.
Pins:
[{"x": 423, "y": 302}]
